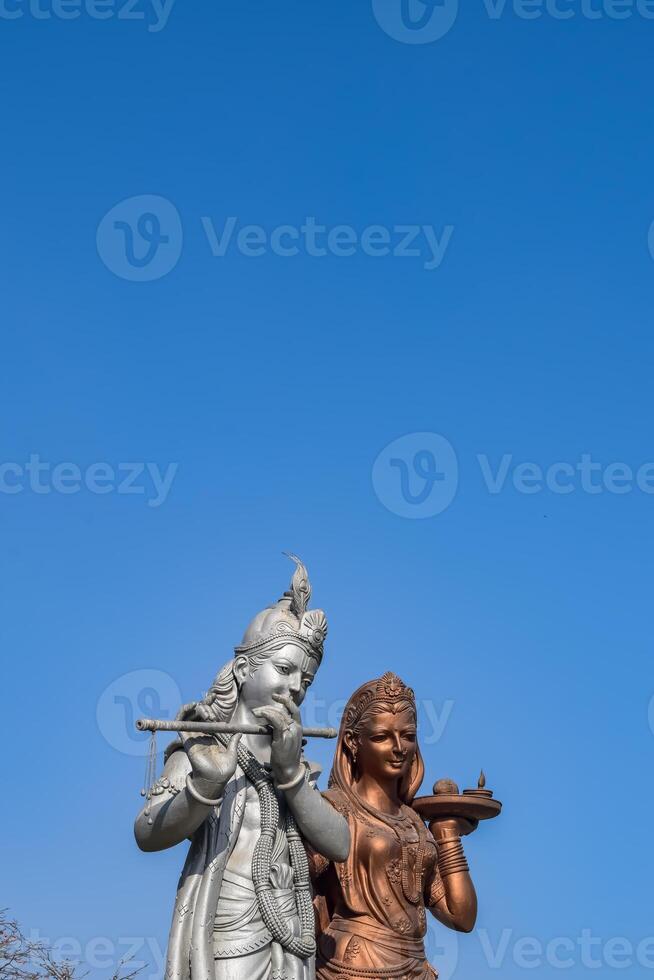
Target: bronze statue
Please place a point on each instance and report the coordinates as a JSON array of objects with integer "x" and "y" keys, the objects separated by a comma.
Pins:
[
  {"x": 372, "y": 906},
  {"x": 248, "y": 803}
]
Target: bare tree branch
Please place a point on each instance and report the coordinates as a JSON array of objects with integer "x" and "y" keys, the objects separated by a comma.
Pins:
[{"x": 26, "y": 959}]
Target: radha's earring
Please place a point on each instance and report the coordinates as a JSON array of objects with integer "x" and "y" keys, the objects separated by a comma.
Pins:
[{"x": 355, "y": 749}]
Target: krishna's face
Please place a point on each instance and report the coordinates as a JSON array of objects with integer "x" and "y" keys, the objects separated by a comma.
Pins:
[{"x": 288, "y": 672}]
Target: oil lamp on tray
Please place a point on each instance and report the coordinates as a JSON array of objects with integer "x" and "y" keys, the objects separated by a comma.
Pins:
[{"x": 473, "y": 804}]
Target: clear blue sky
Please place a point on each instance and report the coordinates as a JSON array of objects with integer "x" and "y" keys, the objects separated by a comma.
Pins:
[{"x": 275, "y": 382}]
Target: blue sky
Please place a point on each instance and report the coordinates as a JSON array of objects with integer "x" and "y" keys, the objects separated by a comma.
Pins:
[{"x": 213, "y": 410}]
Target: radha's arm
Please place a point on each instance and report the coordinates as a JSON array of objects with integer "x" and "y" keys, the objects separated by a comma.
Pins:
[{"x": 450, "y": 894}]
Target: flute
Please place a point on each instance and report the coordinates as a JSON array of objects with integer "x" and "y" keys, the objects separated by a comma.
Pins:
[{"x": 221, "y": 727}]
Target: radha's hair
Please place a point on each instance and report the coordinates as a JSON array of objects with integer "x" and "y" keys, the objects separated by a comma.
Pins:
[{"x": 343, "y": 774}]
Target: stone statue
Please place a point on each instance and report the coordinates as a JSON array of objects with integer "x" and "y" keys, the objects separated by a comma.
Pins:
[
  {"x": 372, "y": 905},
  {"x": 248, "y": 803}
]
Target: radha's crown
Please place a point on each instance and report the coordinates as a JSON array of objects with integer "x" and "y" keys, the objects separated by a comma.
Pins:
[
  {"x": 288, "y": 620},
  {"x": 388, "y": 690}
]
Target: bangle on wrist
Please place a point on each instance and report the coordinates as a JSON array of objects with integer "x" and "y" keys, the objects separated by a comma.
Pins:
[
  {"x": 294, "y": 781},
  {"x": 197, "y": 796},
  {"x": 453, "y": 860}
]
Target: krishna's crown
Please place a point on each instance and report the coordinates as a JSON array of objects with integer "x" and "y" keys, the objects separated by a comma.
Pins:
[
  {"x": 388, "y": 690},
  {"x": 288, "y": 621}
]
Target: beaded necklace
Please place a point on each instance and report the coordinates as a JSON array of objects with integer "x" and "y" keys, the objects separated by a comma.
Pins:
[
  {"x": 412, "y": 889},
  {"x": 277, "y": 924}
]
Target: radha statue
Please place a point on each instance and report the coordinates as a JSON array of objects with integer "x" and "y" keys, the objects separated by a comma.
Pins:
[
  {"x": 372, "y": 906},
  {"x": 248, "y": 803}
]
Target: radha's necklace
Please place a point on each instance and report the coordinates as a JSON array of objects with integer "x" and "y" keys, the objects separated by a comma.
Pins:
[{"x": 400, "y": 824}]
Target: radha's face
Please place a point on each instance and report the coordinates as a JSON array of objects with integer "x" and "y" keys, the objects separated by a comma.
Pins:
[
  {"x": 288, "y": 672},
  {"x": 386, "y": 745}
]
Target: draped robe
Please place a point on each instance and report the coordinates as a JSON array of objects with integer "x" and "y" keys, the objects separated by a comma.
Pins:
[{"x": 217, "y": 932}]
